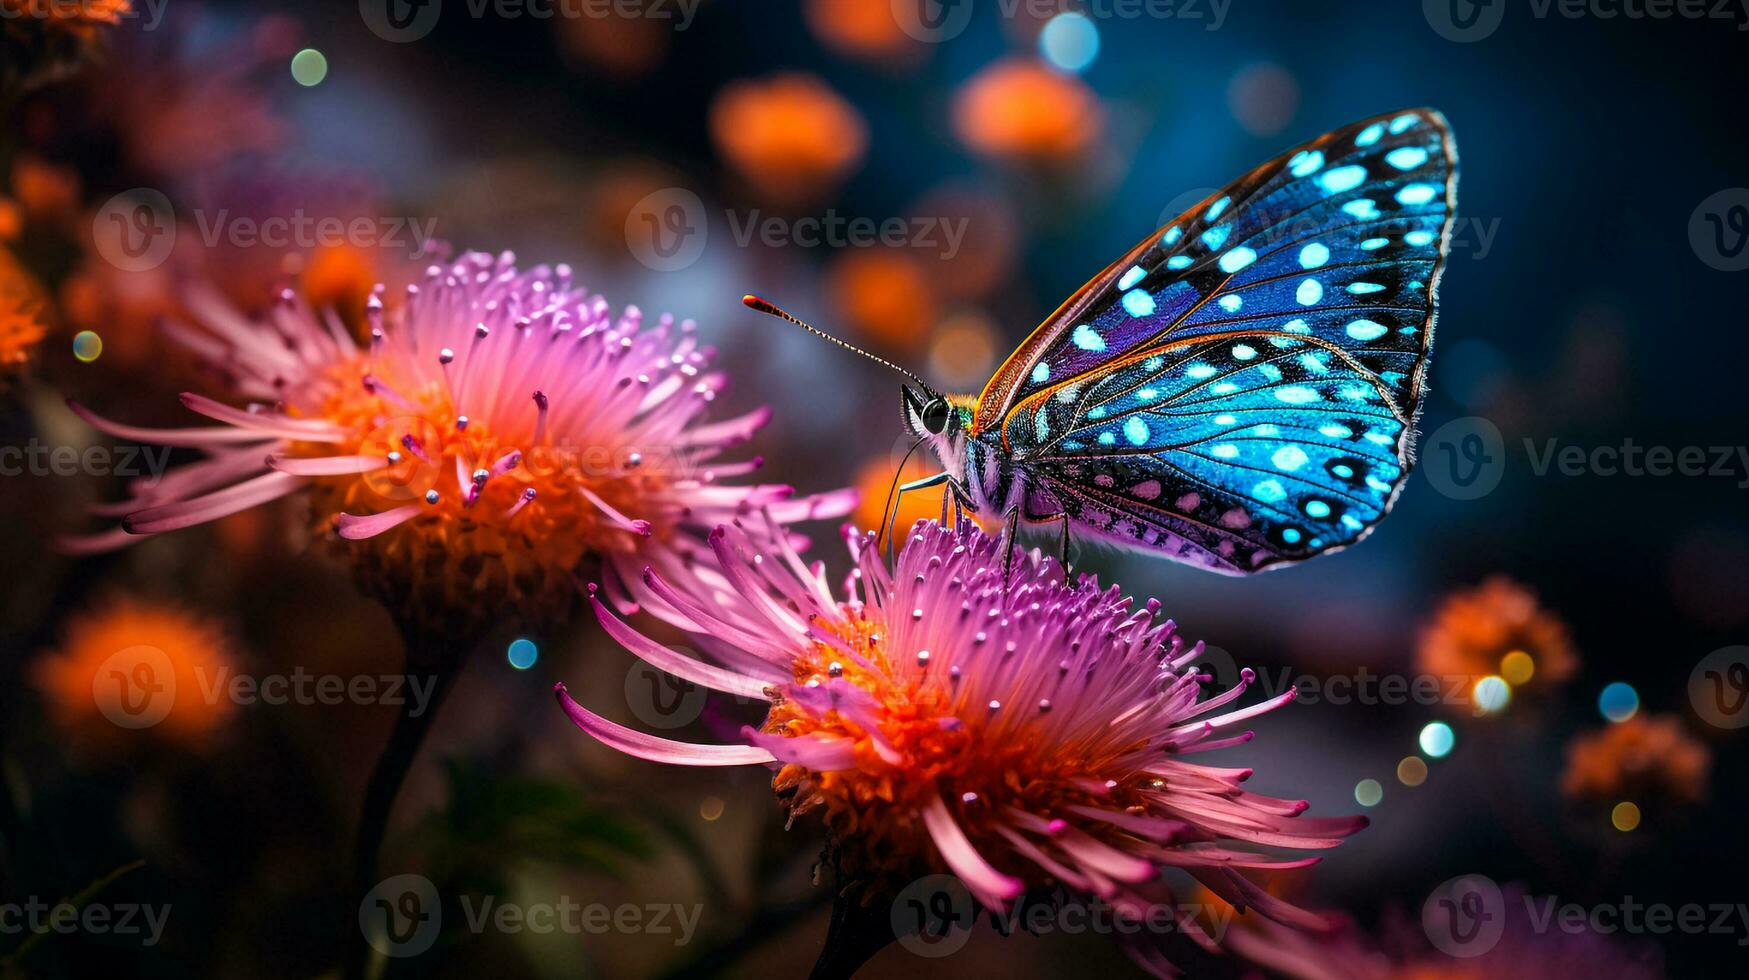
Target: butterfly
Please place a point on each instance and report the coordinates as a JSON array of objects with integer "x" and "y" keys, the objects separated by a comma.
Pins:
[{"x": 1239, "y": 391}]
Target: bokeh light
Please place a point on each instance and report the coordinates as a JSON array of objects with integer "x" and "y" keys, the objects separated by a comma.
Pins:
[
  {"x": 1264, "y": 99},
  {"x": 1412, "y": 771},
  {"x": 309, "y": 67},
  {"x": 1618, "y": 702},
  {"x": 1517, "y": 667},
  {"x": 962, "y": 351},
  {"x": 1625, "y": 816},
  {"x": 1069, "y": 41},
  {"x": 1437, "y": 740},
  {"x": 522, "y": 653},
  {"x": 1368, "y": 792},
  {"x": 1492, "y": 694},
  {"x": 87, "y": 346},
  {"x": 710, "y": 808}
]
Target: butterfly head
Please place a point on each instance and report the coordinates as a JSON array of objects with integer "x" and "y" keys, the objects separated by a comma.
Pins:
[{"x": 942, "y": 420}]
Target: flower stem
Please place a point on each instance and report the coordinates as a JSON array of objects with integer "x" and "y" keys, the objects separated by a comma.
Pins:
[
  {"x": 856, "y": 934},
  {"x": 436, "y": 655}
]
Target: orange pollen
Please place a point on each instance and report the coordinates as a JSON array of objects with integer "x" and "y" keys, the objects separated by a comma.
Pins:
[
  {"x": 522, "y": 500},
  {"x": 939, "y": 746}
]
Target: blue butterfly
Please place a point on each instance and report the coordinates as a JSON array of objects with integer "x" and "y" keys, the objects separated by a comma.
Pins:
[{"x": 1239, "y": 391}]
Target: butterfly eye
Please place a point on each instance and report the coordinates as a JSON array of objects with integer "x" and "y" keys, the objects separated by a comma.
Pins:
[{"x": 935, "y": 416}]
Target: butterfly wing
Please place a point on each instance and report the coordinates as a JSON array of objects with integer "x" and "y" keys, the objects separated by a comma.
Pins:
[{"x": 1240, "y": 389}]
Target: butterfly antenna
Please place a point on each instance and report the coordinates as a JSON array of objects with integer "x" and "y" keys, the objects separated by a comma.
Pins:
[{"x": 755, "y": 303}]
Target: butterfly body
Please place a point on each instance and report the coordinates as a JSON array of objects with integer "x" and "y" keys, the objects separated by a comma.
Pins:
[{"x": 1238, "y": 391}]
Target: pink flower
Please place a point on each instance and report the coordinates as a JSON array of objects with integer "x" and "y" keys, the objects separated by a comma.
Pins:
[
  {"x": 1020, "y": 733},
  {"x": 500, "y": 430}
]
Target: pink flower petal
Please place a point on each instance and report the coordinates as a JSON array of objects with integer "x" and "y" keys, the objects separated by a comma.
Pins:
[{"x": 657, "y": 749}]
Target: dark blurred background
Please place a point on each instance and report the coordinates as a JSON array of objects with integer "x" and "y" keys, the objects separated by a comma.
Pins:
[{"x": 1595, "y": 294}]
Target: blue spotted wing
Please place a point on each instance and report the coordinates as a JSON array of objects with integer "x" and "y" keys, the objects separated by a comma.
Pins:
[{"x": 1240, "y": 390}]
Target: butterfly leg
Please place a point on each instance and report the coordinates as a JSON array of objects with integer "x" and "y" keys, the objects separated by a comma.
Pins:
[
  {"x": 1010, "y": 535},
  {"x": 1063, "y": 541},
  {"x": 891, "y": 517}
]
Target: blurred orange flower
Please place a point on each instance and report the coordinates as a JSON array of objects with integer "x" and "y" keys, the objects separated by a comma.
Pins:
[
  {"x": 986, "y": 235},
  {"x": 20, "y": 304},
  {"x": 47, "y": 192},
  {"x": 963, "y": 351},
  {"x": 80, "y": 18},
  {"x": 1497, "y": 628},
  {"x": 884, "y": 294},
  {"x": 19, "y": 334},
  {"x": 1637, "y": 759},
  {"x": 11, "y": 219},
  {"x": 176, "y": 113},
  {"x": 128, "y": 664},
  {"x": 341, "y": 278},
  {"x": 790, "y": 135},
  {"x": 863, "y": 29},
  {"x": 1021, "y": 111}
]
